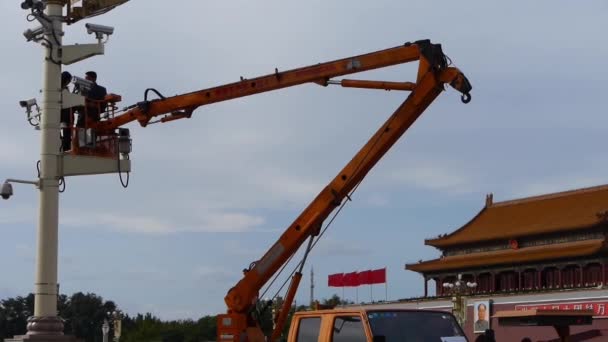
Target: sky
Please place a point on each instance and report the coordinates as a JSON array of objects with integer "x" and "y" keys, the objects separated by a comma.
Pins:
[{"x": 211, "y": 194}]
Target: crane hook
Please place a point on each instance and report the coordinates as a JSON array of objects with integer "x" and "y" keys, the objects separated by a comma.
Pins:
[{"x": 465, "y": 98}]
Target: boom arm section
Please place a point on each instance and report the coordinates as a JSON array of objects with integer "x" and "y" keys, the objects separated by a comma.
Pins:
[
  {"x": 182, "y": 106},
  {"x": 433, "y": 73}
]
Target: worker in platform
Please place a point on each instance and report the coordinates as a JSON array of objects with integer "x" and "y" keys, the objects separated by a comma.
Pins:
[
  {"x": 96, "y": 92},
  {"x": 96, "y": 96},
  {"x": 66, "y": 115}
]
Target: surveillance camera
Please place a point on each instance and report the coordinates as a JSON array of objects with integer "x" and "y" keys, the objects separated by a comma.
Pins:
[
  {"x": 33, "y": 34},
  {"x": 33, "y": 4},
  {"x": 7, "y": 190},
  {"x": 81, "y": 84},
  {"x": 99, "y": 30},
  {"x": 27, "y": 103}
]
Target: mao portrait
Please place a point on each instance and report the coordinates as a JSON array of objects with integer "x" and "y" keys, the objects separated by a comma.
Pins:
[{"x": 482, "y": 314}]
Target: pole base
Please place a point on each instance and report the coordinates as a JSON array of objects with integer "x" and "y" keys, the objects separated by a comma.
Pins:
[
  {"x": 43, "y": 329},
  {"x": 44, "y": 325}
]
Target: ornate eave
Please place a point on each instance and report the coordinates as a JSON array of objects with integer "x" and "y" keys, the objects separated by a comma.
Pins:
[
  {"x": 511, "y": 256},
  {"x": 532, "y": 216}
]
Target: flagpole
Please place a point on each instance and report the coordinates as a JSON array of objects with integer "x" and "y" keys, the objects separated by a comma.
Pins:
[
  {"x": 386, "y": 291},
  {"x": 385, "y": 286},
  {"x": 371, "y": 293},
  {"x": 357, "y": 294}
]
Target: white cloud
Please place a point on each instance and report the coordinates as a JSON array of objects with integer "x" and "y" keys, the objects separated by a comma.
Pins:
[
  {"x": 431, "y": 176},
  {"x": 24, "y": 251},
  {"x": 17, "y": 215},
  {"x": 215, "y": 274},
  {"x": 243, "y": 250},
  {"x": 556, "y": 184},
  {"x": 377, "y": 200},
  {"x": 208, "y": 222},
  {"x": 283, "y": 187},
  {"x": 334, "y": 248},
  {"x": 8, "y": 293},
  {"x": 146, "y": 271},
  {"x": 12, "y": 153},
  {"x": 230, "y": 222},
  {"x": 260, "y": 187}
]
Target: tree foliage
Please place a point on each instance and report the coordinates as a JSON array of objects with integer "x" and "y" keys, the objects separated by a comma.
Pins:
[
  {"x": 83, "y": 315},
  {"x": 13, "y": 315},
  {"x": 335, "y": 301}
]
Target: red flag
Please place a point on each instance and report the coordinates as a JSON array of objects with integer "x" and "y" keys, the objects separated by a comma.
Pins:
[
  {"x": 378, "y": 276},
  {"x": 351, "y": 279},
  {"x": 335, "y": 280},
  {"x": 365, "y": 277}
]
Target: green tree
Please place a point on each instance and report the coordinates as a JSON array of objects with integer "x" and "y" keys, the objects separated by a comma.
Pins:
[
  {"x": 207, "y": 327},
  {"x": 14, "y": 313},
  {"x": 334, "y": 301},
  {"x": 84, "y": 315},
  {"x": 146, "y": 328}
]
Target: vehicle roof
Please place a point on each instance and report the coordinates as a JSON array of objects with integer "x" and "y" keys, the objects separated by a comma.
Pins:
[{"x": 360, "y": 310}]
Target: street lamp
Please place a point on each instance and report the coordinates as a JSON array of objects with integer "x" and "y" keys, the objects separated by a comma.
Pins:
[
  {"x": 458, "y": 290},
  {"x": 45, "y": 325},
  {"x": 105, "y": 329},
  {"x": 117, "y": 322}
]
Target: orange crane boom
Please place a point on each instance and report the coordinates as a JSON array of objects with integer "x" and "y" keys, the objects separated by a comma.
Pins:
[
  {"x": 182, "y": 106},
  {"x": 433, "y": 73}
]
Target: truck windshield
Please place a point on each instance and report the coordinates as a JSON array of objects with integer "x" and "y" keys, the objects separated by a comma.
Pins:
[{"x": 415, "y": 326}]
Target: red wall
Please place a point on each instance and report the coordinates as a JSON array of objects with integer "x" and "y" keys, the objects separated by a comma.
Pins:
[{"x": 515, "y": 334}]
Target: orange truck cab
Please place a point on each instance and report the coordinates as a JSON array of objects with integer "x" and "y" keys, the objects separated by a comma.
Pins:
[{"x": 374, "y": 325}]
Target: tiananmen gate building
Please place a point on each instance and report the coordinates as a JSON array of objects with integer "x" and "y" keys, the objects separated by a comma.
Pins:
[{"x": 545, "y": 252}]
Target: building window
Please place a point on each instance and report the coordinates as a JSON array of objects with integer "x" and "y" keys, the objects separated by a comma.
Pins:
[
  {"x": 348, "y": 329},
  {"x": 571, "y": 276},
  {"x": 506, "y": 281},
  {"x": 592, "y": 274},
  {"x": 529, "y": 277},
  {"x": 484, "y": 283},
  {"x": 550, "y": 278},
  {"x": 308, "y": 329}
]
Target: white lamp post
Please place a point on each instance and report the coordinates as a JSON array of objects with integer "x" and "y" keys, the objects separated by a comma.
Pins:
[
  {"x": 458, "y": 289},
  {"x": 105, "y": 329},
  {"x": 45, "y": 325},
  {"x": 117, "y": 320}
]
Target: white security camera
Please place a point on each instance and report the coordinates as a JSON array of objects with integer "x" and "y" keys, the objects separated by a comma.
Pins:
[
  {"x": 34, "y": 34},
  {"x": 27, "y": 103},
  {"x": 81, "y": 84},
  {"x": 33, "y": 4},
  {"x": 7, "y": 190},
  {"x": 99, "y": 30}
]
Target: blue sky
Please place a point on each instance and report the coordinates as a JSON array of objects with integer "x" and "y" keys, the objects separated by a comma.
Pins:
[{"x": 209, "y": 195}]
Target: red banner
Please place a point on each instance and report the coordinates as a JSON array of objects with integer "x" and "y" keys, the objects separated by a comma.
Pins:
[
  {"x": 351, "y": 279},
  {"x": 365, "y": 277},
  {"x": 335, "y": 280},
  {"x": 378, "y": 276},
  {"x": 354, "y": 279},
  {"x": 599, "y": 308}
]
